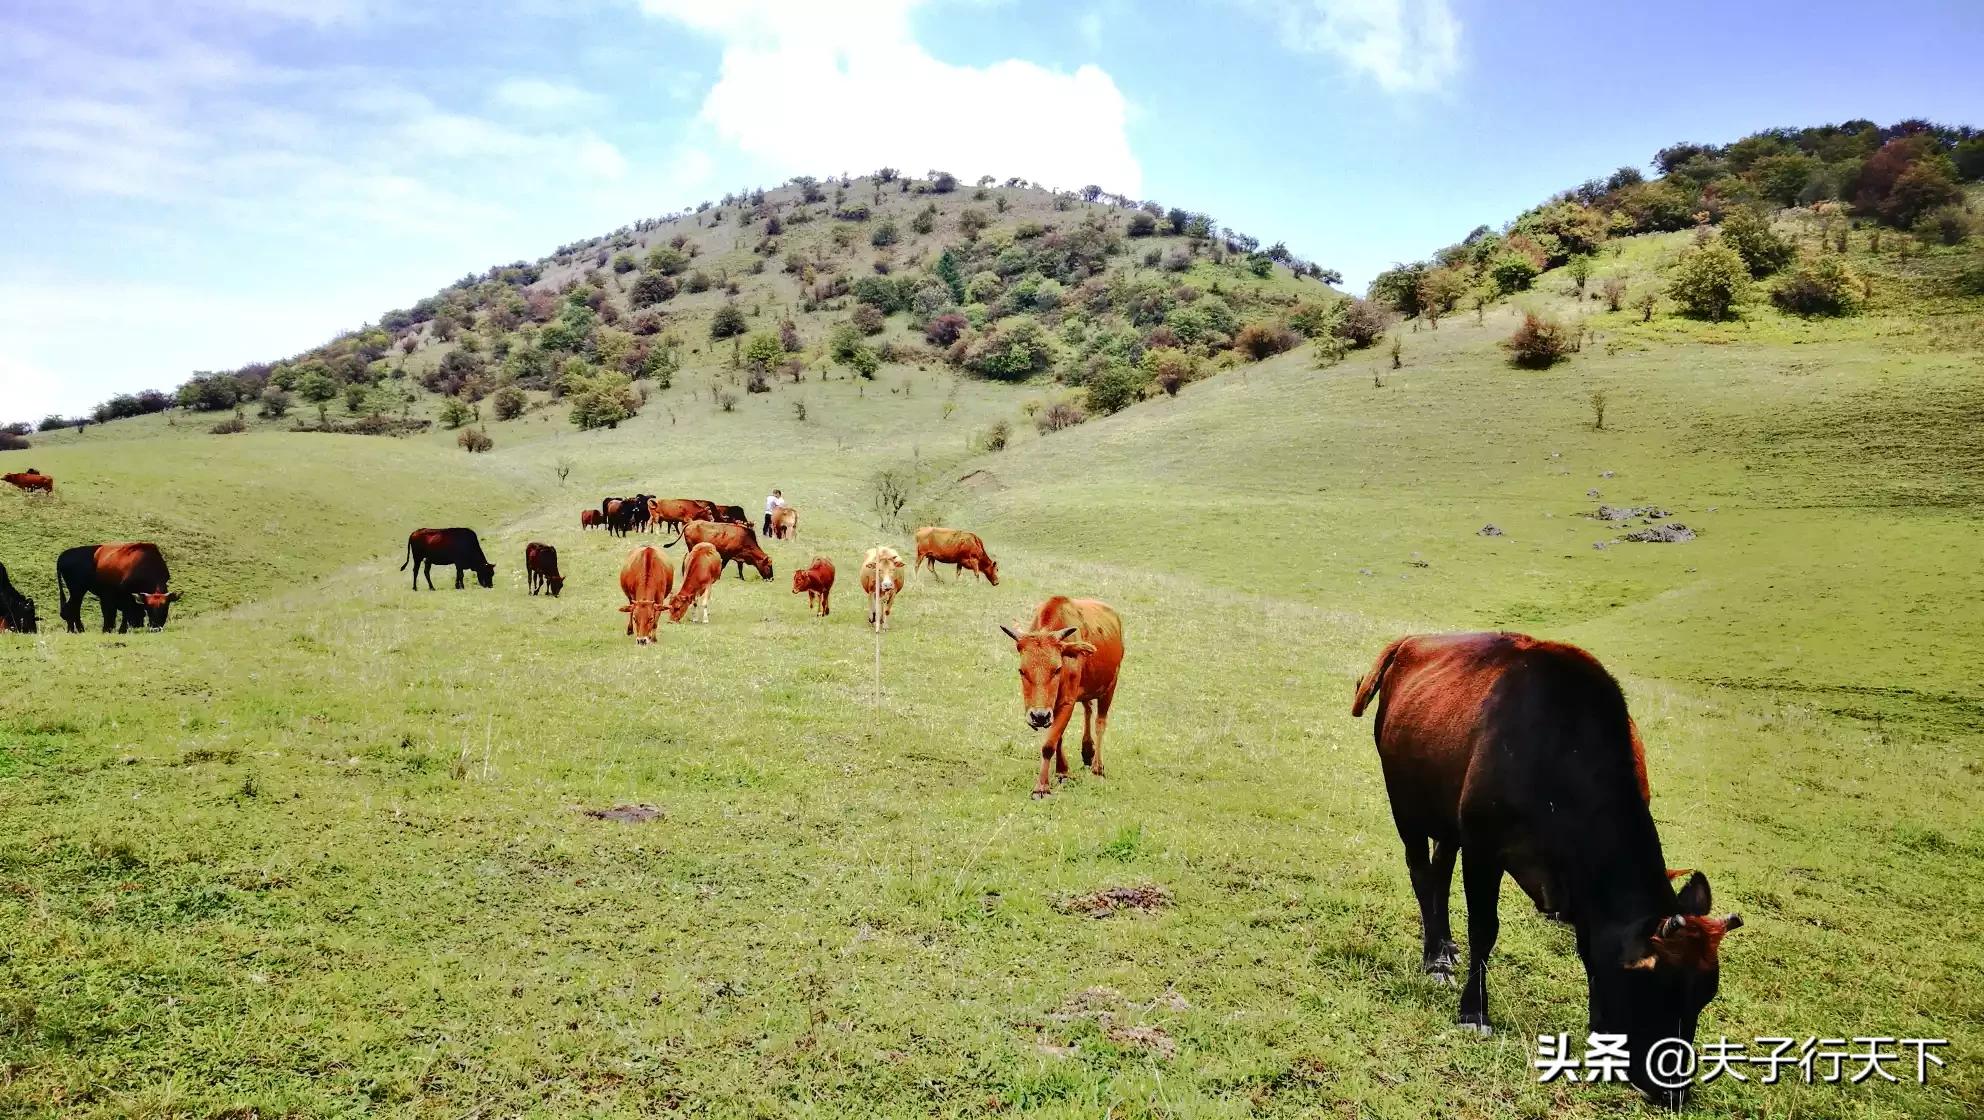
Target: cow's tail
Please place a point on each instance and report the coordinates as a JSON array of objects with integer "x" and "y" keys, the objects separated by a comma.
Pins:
[
  {"x": 409, "y": 554},
  {"x": 677, "y": 540},
  {"x": 1375, "y": 679}
]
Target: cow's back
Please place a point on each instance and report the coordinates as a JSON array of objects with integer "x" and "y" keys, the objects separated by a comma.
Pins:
[
  {"x": 646, "y": 575},
  {"x": 1096, "y": 623},
  {"x": 131, "y": 566}
]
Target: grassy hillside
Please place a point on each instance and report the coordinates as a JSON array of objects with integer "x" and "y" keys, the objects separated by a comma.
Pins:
[{"x": 319, "y": 848}]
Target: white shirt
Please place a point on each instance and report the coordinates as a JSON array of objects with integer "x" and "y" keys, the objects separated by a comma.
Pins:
[{"x": 773, "y": 504}]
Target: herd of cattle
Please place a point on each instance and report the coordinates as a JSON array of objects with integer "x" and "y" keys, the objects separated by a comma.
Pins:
[{"x": 1508, "y": 754}]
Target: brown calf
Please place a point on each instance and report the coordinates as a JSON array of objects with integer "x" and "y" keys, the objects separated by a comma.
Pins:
[
  {"x": 591, "y": 519},
  {"x": 31, "y": 480},
  {"x": 817, "y": 581},
  {"x": 1070, "y": 655},
  {"x": 881, "y": 579},
  {"x": 936, "y": 546},
  {"x": 785, "y": 523},
  {"x": 735, "y": 543},
  {"x": 541, "y": 564},
  {"x": 701, "y": 569}
]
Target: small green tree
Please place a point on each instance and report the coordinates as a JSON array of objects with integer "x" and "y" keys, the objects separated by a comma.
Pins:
[
  {"x": 316, "y": 387},
  {"x": 1710, "y": 281},
  {"x": 1115, "y": 388},
  {"x": 728, "y": 322},
  {"x": 763, "y": 352},
  {"x": 455, "y": 412},
  {"x": 509, "y": 402},
  {"x": 1748, "y": 232}
]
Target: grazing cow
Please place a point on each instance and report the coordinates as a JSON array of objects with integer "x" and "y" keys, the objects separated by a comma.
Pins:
[
  {"x": 17, "y": 611},
  {"x": 1518, "y": 755},
  {"x": 31, "y": 479},
  {"x": 645, "y": 579},
  {"x": 701, "y": 569},
  {"x": 785, "y": 523},
  {"x": 936, "y": 546},
  {"x": 1071, "y": 654},
  {"x": 128, "y": 579},
  {"x": 817, "y": 581},
  {"x": 591, "y": 519},
  {"x": 626, "y": 515},
  {"x": 736, "y": 543},
  {"x": 458, "y": 547},
  {"x": 727, "y": 515},
  {"x": 541, "y": 565},
  {"x": 881, "y": 578},
  {"x": 673, "y": 513}
]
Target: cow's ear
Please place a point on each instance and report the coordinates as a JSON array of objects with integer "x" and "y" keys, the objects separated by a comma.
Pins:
[
  {"x": 139, "y": 596},
  {"x": 172, "y": 598},
  {"x": 1068, "y": 632},
  {"x": 1694, "y": 897},
  {"x": 628, "y": 609},
  {"x": 1076, "y": 649},
  {"x": 1008, "y": 631}
]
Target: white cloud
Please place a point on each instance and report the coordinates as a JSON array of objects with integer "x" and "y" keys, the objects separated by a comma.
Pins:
[
  {"x": 817, "y": 88},
  {"x": 536, "y": 95},
  {"x": 1404, "y": 45}
]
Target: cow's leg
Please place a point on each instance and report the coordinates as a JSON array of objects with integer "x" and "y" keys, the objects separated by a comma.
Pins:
[
  {"x": 1481, "y": 878},
  {"x": 1088, "y": 734},
  {"x": 459, "y": 573},
  {"x": 1101, "y": 725},
  {"x": 110, "y": 612},
  {"x": 1432, "y": 881},
  {"x": 430, "y": 576},
  {"x": 824, "y": 605}
]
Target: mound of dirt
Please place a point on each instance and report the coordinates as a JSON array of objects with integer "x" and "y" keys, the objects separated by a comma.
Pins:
[
  {"x": 1671, "y": 533},
  {"x": 1488, "y": 530},
  {"x": 1627, "y": 513},
  {"x": 981, "y": 480},
  {"x": 1145, "y": 899}
]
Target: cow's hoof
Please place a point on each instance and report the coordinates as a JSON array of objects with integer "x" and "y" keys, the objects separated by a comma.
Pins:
[{"x": 1040, "y": 793}]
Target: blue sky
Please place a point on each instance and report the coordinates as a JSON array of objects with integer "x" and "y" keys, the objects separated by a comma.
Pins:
[{"x": 200, "y": 184}]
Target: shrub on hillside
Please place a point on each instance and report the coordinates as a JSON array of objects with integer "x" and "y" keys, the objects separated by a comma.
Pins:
[
  {"x": 1115, "y": 388},
  {"x": 455, "y": 412},
  {"x": 1059, "y": 415},
  {"x": 210, "y": 392},
  {"x": 1512, "y": 272},
  {"x": 867, "y": 318},
  {"x": 1141, "y": 225},
  {"x": 884, "y": 234},
  {"x": 1013, "y": 351},
  {"x": 1824, "y": 286},
  {"x": 698, "y": 281},
  {"x": 1538, "y": 343},
  {"x": 474, "y": 440},
  {"x": 1614, "y": 290},
  {"x": 667, "y": 260},
  {"x": 599, "y": 400},
  {"x": 763, "y": 352},
  {"x": 1710, "y": 280},
  {"x": 1946, "y": 224},
  {"x": 728, "y": 322},
  {"x": 652, "y": 288},
  {"x": 1748, "y": 232},
  {"x": 509, "y": 403},
  {"x": 275, "y": 402},
  {"x": 946, "y": 328},
  {"x": 1261, "y": 339},
  {"x": 1361, "y": 324},
  {"x": 233, "y": 425}
]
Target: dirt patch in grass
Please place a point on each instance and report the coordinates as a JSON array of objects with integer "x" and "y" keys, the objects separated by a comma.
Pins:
[
  {"x": 625, "y": 814},
  {"x": 1146, "y": 899},
  {"x": 1671, "y": 533}
]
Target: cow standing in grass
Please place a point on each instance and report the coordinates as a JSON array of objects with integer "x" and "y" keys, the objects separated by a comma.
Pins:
[
  {"x": 591, "y": 519},
  {"x": 881, "y": 579},
  {"x": 1070, "y": 655},
  {"x": 457, "y": 547},
  {"x": 736, "y": 543},
  {"x": 936, "y": 546},
  {"x": 645, "y": 579},
  {"x": 16, "y": 610},
  {"x": 701, "y": 569},
  {"x": 785, "y": 522},
  {"x": 30, "y": 480},
  {"x": 817, "y": 582},
  {"x": 673, "y": 513},
  {"x": 541, "y": 565},
  {"x": 128, "y": 579},
  {"x": 1518, "y": 756}
]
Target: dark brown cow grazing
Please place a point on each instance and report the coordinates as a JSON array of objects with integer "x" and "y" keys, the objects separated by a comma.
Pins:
[
  {"x": 736, "y": 543},
  {"x": 1070, "y": 655},
  {"x": 128, "y": 579},
  {"x": 31, "y": 480},
  {"x": 17, "y": 611},
  {"x": 541, "y": 565},
  {"x": 591, "y": 519},
  {"x": 701, "y": 569},
  {"x": 1518, "y": 755},
  {"x": 954, "y": 546},
  {"x": 817, "y": 581},
  {"x": 457, "y": 547},
  {"x": 645, "y": 580}
]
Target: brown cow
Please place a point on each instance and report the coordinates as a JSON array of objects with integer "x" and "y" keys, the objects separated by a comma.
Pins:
[
  {"x": 541, "y": 563},
  {"x": 817, "y": 581},
  {"x": 1519, "y": 755},
  {"x": 645, "y": 579},
  {"x": 31, "y": 479},
  {"x": 881, "y": 579},
  {"x": 128, "y": 579},
  {"x": 457, "y": 547},
  {"x": 673, "y": 513},
  {"x": 785, "y": 523},
  {"x": 1071, "y": 654},
  {"x": 701, "y": 569},
  {"x": 954, "y": 546},
  {"x": 591, "y": 519},
  {"x": 727, "y": 515},
  {"x": 736, "y": 543}
]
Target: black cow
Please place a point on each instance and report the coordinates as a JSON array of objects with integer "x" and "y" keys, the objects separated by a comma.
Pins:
[
  {"x": 458, "y": 547},
  {"x": 16, "y": 609},
  {"x": 624, "y": 515},
  {"x": 128, "y": 579}
]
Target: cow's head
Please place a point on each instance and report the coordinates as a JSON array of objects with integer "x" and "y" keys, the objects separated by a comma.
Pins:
[
  {"x": 1050, "y": 667},
  {"x": 557, "y": 584},
  {"x": 991, "y": 570},
  {"x": 25, "y": 620},
  {"x": 763, "y": 563},
  {"x": 802, "y": 580},
  {"x": 642, "y": 616},
  {"x": 1651, "y": 978},
  {"x": 485, "y": 575},
  {"x": 155, "y": 605}
]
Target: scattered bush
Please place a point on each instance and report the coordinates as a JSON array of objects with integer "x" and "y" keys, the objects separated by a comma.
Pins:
[
  {"x": 275, "y": 402},
  {"x": 1748, "y": 232},
  {"x": 11, "y": 440},
  {"x": 1946, "y": 224},
  {"x": 1015, "y": 350},
  {"x": 509, "y": 403},
  {"x": 455, "y": 412},
  {"x": 1362, "y": 323},
  {"x": 867, "y": 318},
  {"x": 883, "y": 235},
  {"x": 762, "y": 352},
  {"x": 474, "y": 440},
  {"x": 1261, "y": 339},
  {"x": 1710, "y": 280},
  {"x": 1538, "y": 343},
  {"x": 997, "y": 436},
  {"x": 1059, "y": 415},
  {"x": 230, "y": 426},
  {"x": 728, "y": 322},
  {"x": 598, "y": 399},
  {"x": 1614, "y": 290},
  {"x": 1115, "y": 388},
  {"x": 946, "y": 328},
  {"x": 1824, "y": 286},
  {"x": 1512, "y": 272},
  {"x": 652, "y": 288},
  {"x": 1141, "y": 225}
]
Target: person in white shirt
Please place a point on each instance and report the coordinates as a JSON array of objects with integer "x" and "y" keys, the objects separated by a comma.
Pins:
[{"x": 773, "y": 504}]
